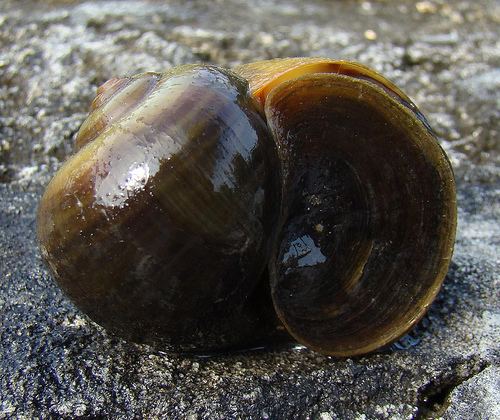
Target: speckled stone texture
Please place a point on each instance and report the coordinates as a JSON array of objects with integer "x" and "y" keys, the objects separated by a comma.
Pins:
[{"x": 56, "y": 362}]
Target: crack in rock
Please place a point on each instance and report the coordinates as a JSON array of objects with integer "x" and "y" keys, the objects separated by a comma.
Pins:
[{"x": 434, "y": 397}]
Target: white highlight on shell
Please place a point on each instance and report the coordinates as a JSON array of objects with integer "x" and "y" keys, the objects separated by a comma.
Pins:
[
  {"x": 138, "y": 175},
  {"x": 305, "y": 252}
]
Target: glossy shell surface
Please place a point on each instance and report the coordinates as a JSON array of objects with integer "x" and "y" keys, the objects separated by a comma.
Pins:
[
  {"x": 207, "y": 209},
  {"x": 369, "y": 212},
  {"x": 160, "y": 225}
]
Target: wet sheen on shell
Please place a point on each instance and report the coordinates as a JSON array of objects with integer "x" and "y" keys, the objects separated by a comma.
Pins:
[
  {"x": 199, "y": 194},
  {"x": 160, "y": 225},
  {"x": 369, "y": 212}
]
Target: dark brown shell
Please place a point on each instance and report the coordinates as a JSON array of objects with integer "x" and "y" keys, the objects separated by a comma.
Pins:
[
  {"x": 369, "y": 212},
  {"x": 159, "y": 227},
  {"x": 162, "y": 224}
]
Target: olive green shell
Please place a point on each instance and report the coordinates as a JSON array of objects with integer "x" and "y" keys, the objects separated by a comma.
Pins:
[
  {"x": 200, "y": 198},
  {"x": 159, "y": 227}
]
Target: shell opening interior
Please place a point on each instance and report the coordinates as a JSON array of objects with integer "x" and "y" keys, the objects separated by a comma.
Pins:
[{"x": 370, "y": 214}]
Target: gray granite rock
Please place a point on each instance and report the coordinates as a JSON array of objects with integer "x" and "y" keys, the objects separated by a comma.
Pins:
[
  {"x": 477, "y": 398},
  {"x": 56, "y": 362}
]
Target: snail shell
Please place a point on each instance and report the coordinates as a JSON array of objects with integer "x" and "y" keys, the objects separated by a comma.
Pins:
[
  {"x": 160, "y": 225},
  {"x": 187, "y": 184}
]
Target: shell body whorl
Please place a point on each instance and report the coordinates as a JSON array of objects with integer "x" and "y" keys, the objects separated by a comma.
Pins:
[{"x": 159, "y": 226}]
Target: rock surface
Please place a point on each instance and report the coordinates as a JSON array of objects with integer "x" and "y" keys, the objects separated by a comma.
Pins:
[{"x": 56, "y": 362}]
